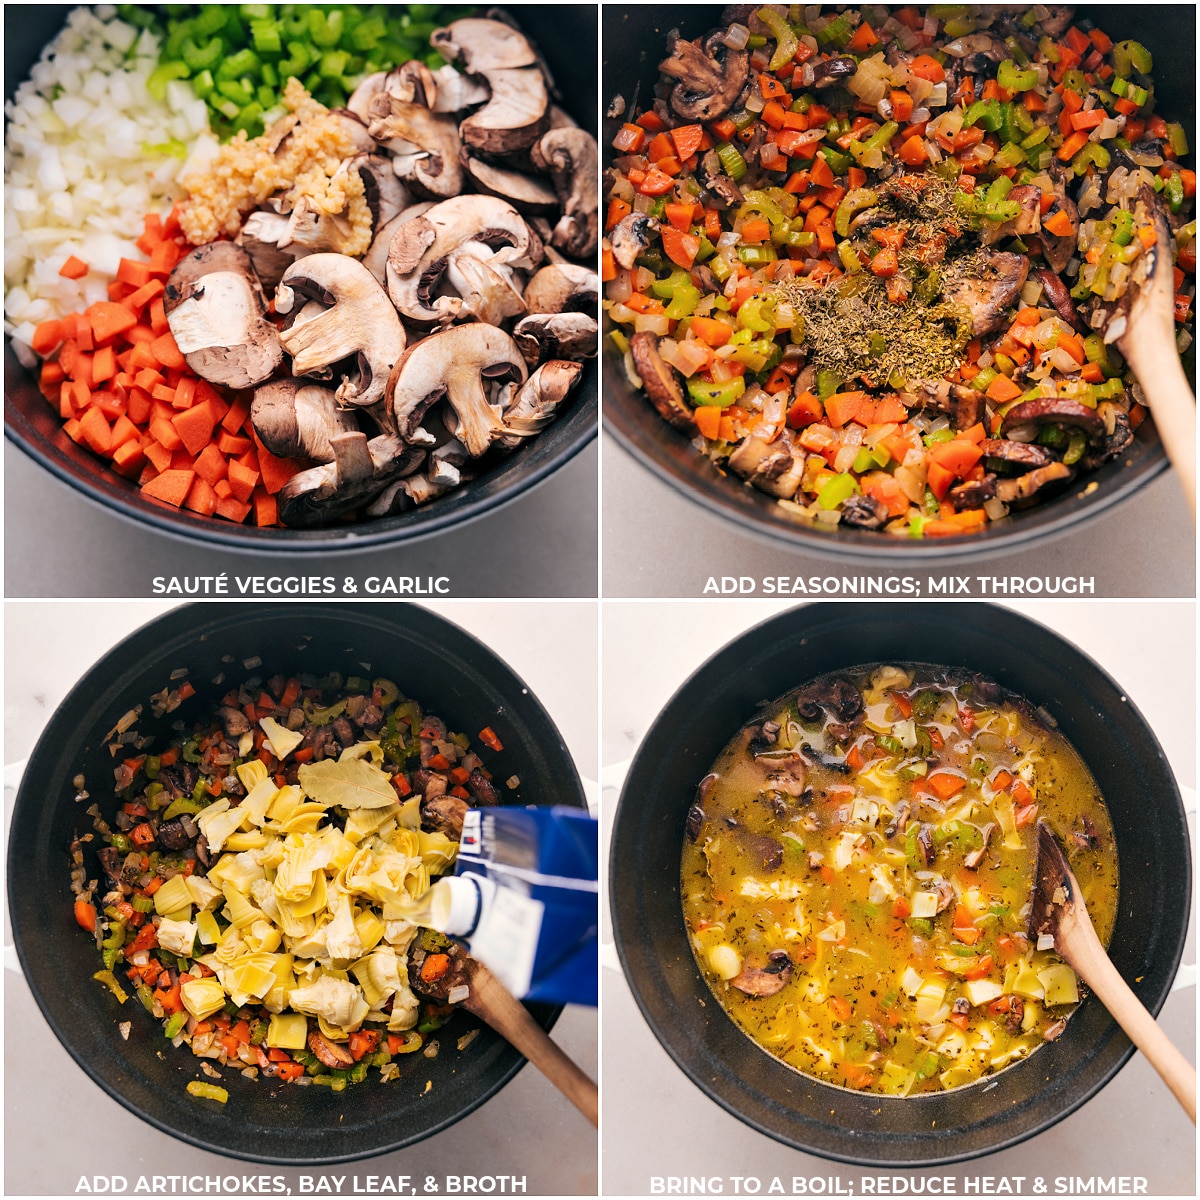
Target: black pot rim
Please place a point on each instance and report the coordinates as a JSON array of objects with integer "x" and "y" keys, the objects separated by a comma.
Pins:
[
  {"x": 704, "y": 1071},
  {"x": 190, "y": 619}
]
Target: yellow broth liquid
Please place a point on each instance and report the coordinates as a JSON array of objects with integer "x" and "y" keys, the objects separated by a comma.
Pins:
[{"x": 878, "y": 997}]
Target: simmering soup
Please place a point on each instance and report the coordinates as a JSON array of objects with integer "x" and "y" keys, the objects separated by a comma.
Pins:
[{"x": 857, "y": 871}]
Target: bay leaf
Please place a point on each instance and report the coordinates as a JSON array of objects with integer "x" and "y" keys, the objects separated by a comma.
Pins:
[{"x": 347, "y": 783}]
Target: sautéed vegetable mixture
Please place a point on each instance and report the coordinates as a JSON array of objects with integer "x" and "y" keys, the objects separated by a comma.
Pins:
[{"x": 857, "y": 871}]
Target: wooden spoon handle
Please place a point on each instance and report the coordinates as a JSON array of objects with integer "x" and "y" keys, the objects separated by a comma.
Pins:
[
  {"x": 1155, "y": 361},
  {"x": 492, "y": 1002},
  {"x": 1097, "y": 970}
]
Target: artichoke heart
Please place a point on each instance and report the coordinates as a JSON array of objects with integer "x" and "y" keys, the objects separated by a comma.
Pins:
[
  {"x": 202, "y": 997},
  {"x": 204, "y": 893},
  {"x": 338, "y": 1002},
  {"x": 172, "y": 896},
  {"x": 218, "y": 821},
  {"x": 287, "y": 1031},
  {"x": 282, "y": 739},
  {"x": 252, "y": 773},
  {"x": 237, "y": 870},
  {"x": 248, "y": 978},
  {"x": 378, "y": 975},
  {"x": 177, "y": 936},
  {"x": 258, "y": 800}
]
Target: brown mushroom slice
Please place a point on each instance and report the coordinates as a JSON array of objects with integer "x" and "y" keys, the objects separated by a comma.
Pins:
[
  {"x": 420, "y": 250},
  {"x": 658, "y": 378},
  {"x": 989, "y": 291},
  {"x": 973, "y": 858},
  {"x": 1118, "y": 435},
  {"x": 563, "y": 287},
  {"x": 457, "y": 90},
  {"x": 1058, "y": 248},
  {"x": 332, "y": 1054},
  {"x": 453, "y": 364},
  {"x": 515, "y": 116},
  {"x": 1024, "y": 488},
  {"x": 711, "y": 76},
  {"x": 1058, "y": 295},
  {"x": 296, "y": 420},
  {"x": 759, "y": 982},
  {"x": 360, "y": 99},
  {"x": 1024, "y": 422},
  {"x": 630, "y": 237},
  {"x": 425, "y": 145},
  {"x": 516, "y": 113},
  {"x": 262, "y": 237},
  {"x": 360, "y": 325},
  {"x": 375, "y": 259},
  {"x": 569, "y": 156},
  {"x": 772, "y": 467},
  {"x": 1000, "y": 454},
  {"x": 217, "y": 315},
  {"x": 526, "y": 193},
  {"x": 543, "y": 336},
  {"x": 538, "y": 400},
  {"x": 359, "y": 471},
  {"x": 488, "y": 291},
  {"x": 444, "y": 814},
  {"x": 863, "y": 512},
  {"x": 975, "y": 493}
]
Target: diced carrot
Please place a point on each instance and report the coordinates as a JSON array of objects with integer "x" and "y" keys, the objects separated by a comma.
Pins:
[
  {"x": 661, "y": 146},
  {"x": 957, "y": 456},
  {"x": 806, "y": 409},
  {"x": 939, "y": 479},
  {"x": 1072, "y": 146},
  {"x": 74, "y": 268},
  {"x": 822, "y": 173},
  {"x": 629, "y": 139},
  {"x": 266, "y": 511},
  {"x": 681, "y": 248},
  {"x": 164, "y": 258},
  {"x": 96, "y": 430},
  {"x": 926, "y": 67},
  {"x": 47, "y": 336},
  {"x": 194, "y": 426},
  {"x": 139, "y": 299},
  {"x": 108, "y": 320},
  {"x": 708, "y": 420},
  {"x": 201, "y": 498},
  {"x": 913, "y": 151},
  {"x": 128, "y": 459},
  {"x": 275, "y": 471},
  {"x": 844, "y": 407},
  {"x": 158, "y": 455},
  {"x": 864, "y": 38},
  {"x": 171, "y": 487},
  {"x": 167, "y": 352},
  {"x": 211, "y": 465},
  {"x": 232, "y": 509},
  {"x": 1002, "y": 390}
]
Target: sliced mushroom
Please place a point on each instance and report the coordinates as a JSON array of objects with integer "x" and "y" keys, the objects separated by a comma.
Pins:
[
  {"x": 661, "y": 384},
  {"x": 360, "y": 324},
  {"x": 1001, "y": 454},
  {"x": 359, "y": 470},
  {"x": 765, "y": 981},
  {"x": 973, "y": 494},
  {"x": 837, "y": 695},
  {"x": 1025, "y": 421},
  {"x": 1058, "y": 295},
  {"x": 457, "y": 90},
  {"x": 487, "y": 288},
  {"x": 1058, "y": 248},
  {"x": 1118, "y": 435},
  {"x": 526, "y": 193},
  {"x": 333, "y": 1055},
  {"x": 444, "y": 814},
  {"x": 833, "y": 71},
  {"x": 630, "y": 237},
  {"x": 711, "y": 76},
  {"x": 420, "y": 250},
  {"x": 863, "y": 512},
  {"x": 1010, "y": 490},
  {"x": 425, "y": 145},
  {"x": 516, "y": 113},
  {"x": 261, "y": 238},
  {"x": 384, "y": 193},
  {"x": 988, "y": 291},
  {"x": 375, "y": 259},
  {"x": 569, "y": 155},
  {"x": 296, "y": 420},
  {"x": 217, "y": 316},
  {"x": 973, "y": 858},
  {"x": 453, "y": 364},
  {"x": 562, "y": 287},
  {"x": 773, "y": 467},
  {"x": 538, "y": 401},
  {"x": 543, "y": 336}
]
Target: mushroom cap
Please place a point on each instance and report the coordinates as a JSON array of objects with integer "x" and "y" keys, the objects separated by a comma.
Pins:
[
  {"x": 662, "y": 386},
  {"x": 360, "y": 324},
  {"x": 487, "y": 290},
  {"x": 563, "y": 287},
  {"x": 217, "y": 314},
  {"x": 630, "y": 236},
  {"x": 569, "y": 155},
  {"x": 515, "y": 116},
  {"x": 482, "y": 45},
  {"x": 297, "y": 420},
  {"x": 538, "y": 399},
  {"x": 420, "y": 250},
  {"x": 453, "y": 364},
  {"x": 262, "y": 232},
  {"x": 425, "y": 144},
  {"x": 711, "y": 78},
  {"x": 526, "y": 193},
  {"x": 543, "y": 336},
  {"x": 375, "y": 259},
  {"x": 359, "y": 471}
]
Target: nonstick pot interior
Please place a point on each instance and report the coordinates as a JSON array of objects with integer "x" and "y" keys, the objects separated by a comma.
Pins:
[
  {"x": 450, "y": 673},
  {"x": 762, "y": 665},
  {"x": 561, "y": 32},
  {"x": 634, "y": 44}
]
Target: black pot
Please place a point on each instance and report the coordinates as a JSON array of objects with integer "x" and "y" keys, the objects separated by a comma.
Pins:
[
  {"x": 451, "y": 674},
  {"x": 634, "y": 44},
  {"x": 725, "y": 693},
  {"x": 33, "y": 426}
]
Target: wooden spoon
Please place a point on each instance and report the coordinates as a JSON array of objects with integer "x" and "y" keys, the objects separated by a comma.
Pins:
[
  {"x": 1057, "y": 909},
  {"x": 494, "y": 1004},
  {"x": 1144, "y": 331}
]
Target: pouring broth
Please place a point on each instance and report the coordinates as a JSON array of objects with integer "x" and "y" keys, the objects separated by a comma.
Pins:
[{"x": 857, "y": 871}]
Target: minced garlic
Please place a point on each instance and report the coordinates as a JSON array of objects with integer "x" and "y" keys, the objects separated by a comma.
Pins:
[{"x": 299, "y": 158}]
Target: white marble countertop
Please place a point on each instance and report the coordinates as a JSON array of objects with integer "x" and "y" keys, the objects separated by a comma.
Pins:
[
  {"x": 663, "y": 1126},
  {"x": 59, "y": 1126}
]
